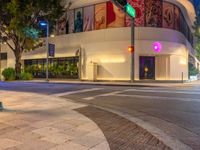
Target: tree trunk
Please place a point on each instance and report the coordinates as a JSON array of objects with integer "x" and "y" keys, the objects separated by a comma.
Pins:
[{"x": 18, "y": 64}]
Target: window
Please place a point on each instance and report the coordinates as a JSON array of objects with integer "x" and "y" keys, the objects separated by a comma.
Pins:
[{"x": 3, "y": 56}]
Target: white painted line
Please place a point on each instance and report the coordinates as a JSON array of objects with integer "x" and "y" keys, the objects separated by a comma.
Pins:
[
  {"x": 102, "y": 95},
  {"x": 162, "y": 91},
  {"x": 78, "y": 91},
  {"x": 159, "y": 97}
]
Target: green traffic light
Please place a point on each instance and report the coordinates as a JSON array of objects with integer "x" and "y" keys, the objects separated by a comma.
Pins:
[{"x": 130, "y": 10}]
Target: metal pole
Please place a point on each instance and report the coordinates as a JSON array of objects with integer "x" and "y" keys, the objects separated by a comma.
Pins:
[
  {"x": 0, "y": 57},
  {"x": 132, "y": 53},
  {"x": 80, "y": 64},
  {"x": 47, "y": 47}
]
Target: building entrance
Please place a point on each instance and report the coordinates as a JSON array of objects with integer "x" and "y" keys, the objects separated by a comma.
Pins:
[{"x": 147, "y": 67}]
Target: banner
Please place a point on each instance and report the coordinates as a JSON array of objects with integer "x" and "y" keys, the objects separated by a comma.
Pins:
[
  {"x": 71, "y": 21},
  {"x": 168, "y": 15},
  {"x": 100, "y": 16},
  {"x": 153, "y": 13},
  {"x": 61, "y": 26},
  {"x": 139, "y": 7},
  {"x": 177, "y": 18},
  {"x": 78, "y": 21},
  {"x": 88, "y": 18},
  {"x": 115, "y": 17}
]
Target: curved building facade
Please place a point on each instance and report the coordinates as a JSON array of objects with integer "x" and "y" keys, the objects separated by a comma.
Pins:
[{"x": 96, "y": 35}]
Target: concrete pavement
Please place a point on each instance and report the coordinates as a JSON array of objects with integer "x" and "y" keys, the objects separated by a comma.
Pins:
[{"x": 38, "y": 122}]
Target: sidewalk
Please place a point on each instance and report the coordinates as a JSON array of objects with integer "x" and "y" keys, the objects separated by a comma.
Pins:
[
  {"x": 38, "y": 122},
  {"x": 117, "y": 83}
]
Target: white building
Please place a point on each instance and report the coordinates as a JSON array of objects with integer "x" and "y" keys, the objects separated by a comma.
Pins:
[{"x": 163, "y": 41}]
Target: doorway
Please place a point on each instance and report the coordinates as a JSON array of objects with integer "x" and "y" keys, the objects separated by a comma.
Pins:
[{"x": 147, "y": 67}]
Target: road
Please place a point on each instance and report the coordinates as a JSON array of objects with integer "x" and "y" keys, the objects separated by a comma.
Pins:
[{"x": 174, "y": 110}]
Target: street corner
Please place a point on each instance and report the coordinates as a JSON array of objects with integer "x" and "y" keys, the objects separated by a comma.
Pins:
[{"x": 31, "y": 121}]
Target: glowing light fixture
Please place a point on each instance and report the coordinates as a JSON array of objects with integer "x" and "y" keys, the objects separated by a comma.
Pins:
[{"x": 157, "y": 46}]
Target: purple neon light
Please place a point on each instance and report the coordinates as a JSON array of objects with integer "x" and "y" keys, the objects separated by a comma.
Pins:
[{"x": 157, "y": 46}]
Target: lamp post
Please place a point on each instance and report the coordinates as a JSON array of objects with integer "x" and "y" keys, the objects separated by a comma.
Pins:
[{"x": 45, "y": 24}]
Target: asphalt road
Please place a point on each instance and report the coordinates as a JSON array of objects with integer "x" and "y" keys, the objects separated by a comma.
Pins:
[{"x": 174, "y": 110}]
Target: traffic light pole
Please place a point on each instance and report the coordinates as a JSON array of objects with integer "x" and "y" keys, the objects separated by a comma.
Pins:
[{"x": 132, "y": 75}]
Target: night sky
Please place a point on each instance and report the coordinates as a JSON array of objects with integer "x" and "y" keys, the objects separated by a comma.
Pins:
[{"x": 196, "y": 3}]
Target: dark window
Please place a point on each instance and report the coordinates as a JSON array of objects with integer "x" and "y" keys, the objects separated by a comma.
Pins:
[{"x": 3, "y": 56}]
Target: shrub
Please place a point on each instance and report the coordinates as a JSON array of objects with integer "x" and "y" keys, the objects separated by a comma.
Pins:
[
  {"x": 192, "y": 70},
  {"x": 9, "y": 74},
  {"x": 26, "y": 76}
]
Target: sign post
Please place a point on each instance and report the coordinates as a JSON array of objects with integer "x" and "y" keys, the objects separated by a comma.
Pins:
[{"x": 128, "y": 9}]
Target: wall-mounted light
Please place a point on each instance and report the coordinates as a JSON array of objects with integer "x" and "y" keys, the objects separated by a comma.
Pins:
[{"x": 157, "y": 46}]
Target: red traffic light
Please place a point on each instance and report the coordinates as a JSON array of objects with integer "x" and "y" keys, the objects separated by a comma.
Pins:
[{"x": 131, "y": 49}]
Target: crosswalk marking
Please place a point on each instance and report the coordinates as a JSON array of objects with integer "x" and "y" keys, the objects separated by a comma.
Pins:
[
  {"x": 102, "y": 95},
  {"x": 161, "y": 91},
  {"x": 78, "y": 91},
  {"x": 160, "y": 97}
]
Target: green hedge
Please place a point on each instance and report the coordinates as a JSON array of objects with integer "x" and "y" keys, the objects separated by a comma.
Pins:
[
  {"x": 9, "y": 74},
  {"x": 26, "y": 76}
]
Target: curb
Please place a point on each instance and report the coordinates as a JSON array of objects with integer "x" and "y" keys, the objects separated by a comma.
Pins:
[{"x": 107, "y": 83}]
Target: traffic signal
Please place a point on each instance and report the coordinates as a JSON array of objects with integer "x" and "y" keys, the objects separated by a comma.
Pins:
[{"x": 131, "y": 49}]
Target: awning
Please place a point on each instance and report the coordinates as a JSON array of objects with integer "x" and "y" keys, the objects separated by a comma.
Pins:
[{"x": 42, "y": 53}]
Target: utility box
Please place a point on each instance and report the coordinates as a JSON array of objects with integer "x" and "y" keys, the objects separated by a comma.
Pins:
[{"x": 92, "y": 71}]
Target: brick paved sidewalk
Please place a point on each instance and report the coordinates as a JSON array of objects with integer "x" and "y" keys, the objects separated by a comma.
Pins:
[
  {"x": 121, "y": 133},
  {"x": 39, "y": 122}
]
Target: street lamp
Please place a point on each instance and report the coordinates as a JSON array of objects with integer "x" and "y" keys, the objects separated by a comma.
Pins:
[{"x": 45, "y": 24}]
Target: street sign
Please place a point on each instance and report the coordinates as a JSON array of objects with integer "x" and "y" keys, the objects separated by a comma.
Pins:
[
  {"x": 130, "y": 10},
  {"x": 51, "y": 50},
  {"x": 126, "y": 7}
]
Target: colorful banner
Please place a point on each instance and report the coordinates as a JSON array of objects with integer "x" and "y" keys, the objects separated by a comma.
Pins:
[
  {"x": 88, "y": 18},
  {"x": 71, "y": 21},
  {"x": 168, "y": 15},
  {"x": 78, "y": 21},
  {"x": 61, "y": 26},
  {"x": 100, "y": 16},
  {"x": 139, "y": 6},
  {"x": 177, "y": 18},
  {"x": 115, "y": 17},
  {"x": 153, "y": 13}
]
